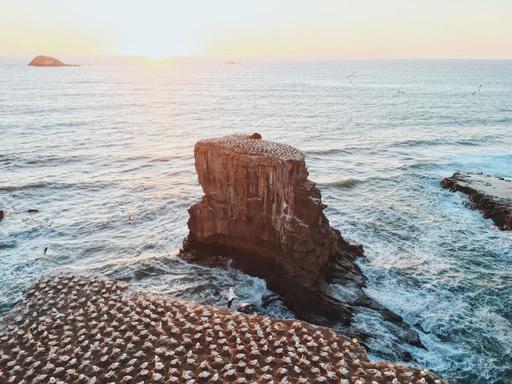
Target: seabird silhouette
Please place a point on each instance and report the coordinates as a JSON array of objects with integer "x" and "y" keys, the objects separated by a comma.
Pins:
[{"x": 477, "y": 90}]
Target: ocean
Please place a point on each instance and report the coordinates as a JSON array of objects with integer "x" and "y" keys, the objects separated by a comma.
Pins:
[{"x": 104, "y": 153}]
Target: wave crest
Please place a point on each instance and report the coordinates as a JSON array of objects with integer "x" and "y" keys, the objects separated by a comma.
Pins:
[{"x": 346, "y": 182}]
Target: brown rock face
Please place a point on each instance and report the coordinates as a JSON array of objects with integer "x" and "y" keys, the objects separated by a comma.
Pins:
[
  {"x": 47, "y": 61},
  {"x": 260, "y": 209},
  {"x": 489, "y": 194}
]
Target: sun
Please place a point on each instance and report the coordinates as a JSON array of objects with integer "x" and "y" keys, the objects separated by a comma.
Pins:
[
  {"x": 158, "y": 49},
  {"x": 156, "y": 55}
]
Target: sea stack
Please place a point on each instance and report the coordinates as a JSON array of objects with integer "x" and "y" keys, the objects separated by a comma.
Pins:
[
  {"x": 489, "y": 194},
  {"x": 260, "y": 209},
  {"x": 47, "y": 61}
]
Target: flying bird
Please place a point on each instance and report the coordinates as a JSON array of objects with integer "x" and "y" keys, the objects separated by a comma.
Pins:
[{"x": 477, "y": 90}]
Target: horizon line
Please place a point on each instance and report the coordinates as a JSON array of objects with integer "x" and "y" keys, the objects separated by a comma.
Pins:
[{"x": 247, "y": 58}]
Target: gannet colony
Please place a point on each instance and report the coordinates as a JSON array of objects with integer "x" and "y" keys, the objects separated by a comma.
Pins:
[{"x": 88, "y": 329}]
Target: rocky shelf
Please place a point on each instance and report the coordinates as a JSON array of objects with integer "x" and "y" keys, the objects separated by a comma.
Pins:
[
  {"x": 87, "y": 329},
  {"x": 491, "y": 195}
]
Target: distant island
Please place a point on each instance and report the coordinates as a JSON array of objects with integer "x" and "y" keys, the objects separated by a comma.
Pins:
[{"x": 48, "y": 61}]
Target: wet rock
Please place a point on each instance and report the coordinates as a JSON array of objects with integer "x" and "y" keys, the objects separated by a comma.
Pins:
[
  {"x": 489, "y": 194},
  {"x": 2, "y": 215},
  {"x": 266, "y": 300},
  {"x": 48, "y": 61},
  {"x": 249, "y": 308}
]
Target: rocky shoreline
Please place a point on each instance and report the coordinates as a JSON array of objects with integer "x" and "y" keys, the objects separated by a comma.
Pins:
[
  {"x": 88, "y": 329},
  {"x": 491, "y": 195}
]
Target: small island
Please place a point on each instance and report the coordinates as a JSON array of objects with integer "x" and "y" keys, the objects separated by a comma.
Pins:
[{"x": 48, "y": 61}]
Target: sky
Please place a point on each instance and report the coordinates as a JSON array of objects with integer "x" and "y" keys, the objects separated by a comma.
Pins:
[{"x": 302, "y": 29}]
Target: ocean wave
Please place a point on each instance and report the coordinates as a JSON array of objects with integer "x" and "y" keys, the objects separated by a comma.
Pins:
[
  {"x": 160, "y": 160},
  {"x": 329, "y": 151},
  {"x": 31, "y": 159},
  {"x": 94, "y": 185},
  {"x": 21, "y": 187},
  {"x": 346, "y": 182},
  {"x": 504, "y": 120},
  {"x": 438, "y": 141}
]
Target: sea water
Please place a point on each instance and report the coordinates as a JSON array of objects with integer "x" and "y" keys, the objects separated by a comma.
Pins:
[{"x": 104, "y": 152}]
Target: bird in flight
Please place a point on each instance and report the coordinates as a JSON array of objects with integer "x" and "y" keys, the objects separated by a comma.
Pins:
[{"x": 477, "y": 90}]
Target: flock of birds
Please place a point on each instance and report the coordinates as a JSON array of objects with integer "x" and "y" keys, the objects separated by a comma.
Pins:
[
  {"x": 254, "y": 144},
  {"x": 87, "y": 329}
]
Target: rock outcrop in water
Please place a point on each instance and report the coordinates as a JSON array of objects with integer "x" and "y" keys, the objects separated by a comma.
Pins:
[
  {"x": 491, "y": 195},
  {"x": 86, "y": 329},
  {"x": 47, "y": 61},
  {"x": 260, "y": 209}
]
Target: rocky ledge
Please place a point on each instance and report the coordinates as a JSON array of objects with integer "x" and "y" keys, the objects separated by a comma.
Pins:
[
  {"x": 260, "y": 209},
  {"x": 491, "y": 195},
  {"x": 47, "y": 61},
  {"x": 86, "y": 329}
]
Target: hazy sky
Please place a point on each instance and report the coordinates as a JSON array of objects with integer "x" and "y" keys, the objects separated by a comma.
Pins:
[{"x": 260, "y": 29}]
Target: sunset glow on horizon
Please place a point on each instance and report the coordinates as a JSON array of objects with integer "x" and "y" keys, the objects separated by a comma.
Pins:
[{"x": 328, "y": 29}]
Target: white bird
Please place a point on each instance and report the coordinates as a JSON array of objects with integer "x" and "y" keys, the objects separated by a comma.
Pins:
[
  {"x": 187, "y": 375},
  {"x": 203, "y": 374}
]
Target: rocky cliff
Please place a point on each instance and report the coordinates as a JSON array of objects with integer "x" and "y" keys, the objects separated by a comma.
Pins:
[{"x": 260, "y": 209}]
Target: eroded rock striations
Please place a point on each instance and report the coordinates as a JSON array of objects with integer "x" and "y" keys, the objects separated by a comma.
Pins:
[
  {"x": 47, "y": 61},
  {"x": 491, "y": 195},
  {"x": 86, "y": 329},
  {"x": 260, "y": 209}
]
